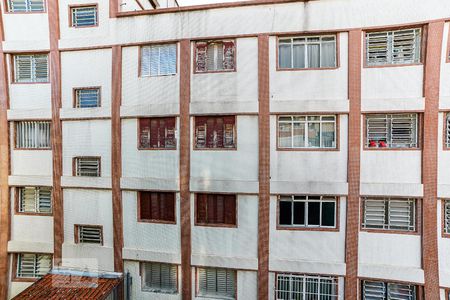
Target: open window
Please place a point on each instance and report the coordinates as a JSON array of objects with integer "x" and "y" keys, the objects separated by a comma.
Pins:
[{"x": 215, "y": 56}]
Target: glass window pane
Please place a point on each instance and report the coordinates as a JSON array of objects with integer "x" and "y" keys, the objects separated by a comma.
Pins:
[
  {"x": 328, "y": 213},
  {"x": 314, "y": 56},
  {"x": 299, "y": 56},
  {"x": 299, "y": 135},
  {"x": 313, "y": 134},
  {"x": 285, "y": 213},
  {"x": 299, "y": 213},
  {"x": 313, "y": 213},
  {"x": 285, "y": 135},
  {"x": 328, "y": 139},
  {"x": 328, "y": 55},
  {"x": 284, "y": 56}
]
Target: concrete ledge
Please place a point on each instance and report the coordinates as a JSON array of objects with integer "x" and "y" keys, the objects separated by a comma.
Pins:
[
  {"x": 292, "y": 106},
  {"x": 229, "y": 107},
  {"x": 22, "y": 180},
  {"x": 444, "y": 103},
  {"x": 85, "y": 113},
  {"x": 29, "y": 114},
  {"x": 163, "y": 109},
  {"x": 396, "y": 273},
  {"x": 242, "y": 263},
  {"x": 443, "y": 190},
  {"x": 444, "y": 278},
  {"x": 145, "y": 255},
  {"x": 394, "y": 104},
  {"x": 235, "y": 186},
  {"x": 28, "y": 246},
  {"x": 86, "y": 182},
  {"x": 392, "y": 189},
  {"x": 313, "y": 187},
  {"x": 308, "y": 267},
  {"x": 134, "y": 183}
]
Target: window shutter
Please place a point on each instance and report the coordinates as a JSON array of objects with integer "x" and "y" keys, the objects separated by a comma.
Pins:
[
  {"x": 447, "y": 131},
  {"x": 401, "y": 291},
  {"x": 84, "y": 16},
  {"x": 89, "y": 234},
  {"x": 406, "y": 46},
  {"x": 169, "y": 133},
  {"x": 172, "y": 59},
  {"x": 145, "y": 206},
  {"x": 201, "y": 208},
  {"x": 28, "y": 199},
  {"x": 155, "y": 65},
  {"x": 219, "y": 136},
  {"x": 168, "y": 201},
  {"x": 145, "y": 60},
  {"x": 211, "y": 281},
  {"x": 23, "y": 68},
  {"x": 374, "y": 213},
  {"x": 26, "y": 265},
  {"x": 401, "y": 214},
  {"x": 374, "y": 290},
  {"x": 43, "y": 264},
  {"x": 228, "y": 55},
  {"x": 33, "y": 135},
  {"x": 87, "y": 166},
  {"x": 230, "y": 209},
  {"x": 202, "y": 281},
  {"x": 201, "y": 49},
  {"x": 41, "y": 68},
  {"x": 144, "y": 136},
  {"x": 85, "y": 98},
  {"x": 377, "y": 128},
  {"x": 155, "y": 275},
  {"x": 155, "y": 208},
  {"x": 377, "y": 48},
  {"x": 154, "y": 133},
  {"x": 403, "y": 131},
  {"x": 45, "y": 200},
  {"x": 211, "y": 58}
]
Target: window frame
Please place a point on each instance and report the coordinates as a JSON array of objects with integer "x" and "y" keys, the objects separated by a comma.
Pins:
[
  {"x": 336, "y": 132},
  {"x": 224, "y": 225},
  {"x": 76, "y": 231},
  {"x": 8, "y": 10},
  {"x": 417, "y": 215},
  {"x": 75, "y": 166},
  {"x": 235, "y": 136},
  {"x": 140, "y": 148},
  {"x": 140, "y": 55},
  {"x": 75, "y": 100},
  {"x": 336, "y": 52},
  {"x": 15, "y": 267},
  {"x": 447, "y": 54},
  {"x": 15, "y": 124},
  {"x": 445, "y": 233},
  {"x": 84, "y": 5},
  {"x": 336, "y": 278},
  {"x": 17, "y": 194},
  {"x": 12, "y": 62},
  {"x": 197, "y": 283},
  {"x": 445, "y": 133},
  {"x": 156, "y": 221},
  {"x": 142, "y": 271},
  {"x": 234, "y": 40},
  {"x": 418, "y": 287}
]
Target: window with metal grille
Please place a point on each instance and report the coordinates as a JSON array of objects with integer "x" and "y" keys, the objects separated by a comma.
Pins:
[
  {"x": 217, "y": 283},
  {"x": 88, "y": 234},
  {"x": 31, "y": 265},
  {"x": 31, "y": 68},
  {"x": 33, "y": 135},
  {"x": 306, "y": 132},
  {"x": 35, "y": 200},
  {"x": 392, "y": 130},
  {"x": 305, "y": 52},
  {"x": 307, "y": 211},
  {"x": 446, "y": 204},
  {"x": 159, "y": 60},
  {"x": 84, "y": 16},
  {"x": 389, "y": 213},
  {"x": 215, "y": 132},
  {"x": 87, "y": 166},
  {"x": 374, "y": 290},
  {"x": 215, "y": 56},
  {"x": 393, "y": 47},
  {"x": 296, "y": 286},
  {"x": 159, "y": 277},
  {"x": 87, "y": 97},
  {"x": 216, "y": 209},
  {"x": 157, "y": 133},
  {"x": 447, "y": 130},
  {"x": 26, "y": 6},
  {"x": 156, "y": 206}
]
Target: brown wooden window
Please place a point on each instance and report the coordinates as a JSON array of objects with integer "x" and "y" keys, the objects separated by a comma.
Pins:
[
  {"x": 156, "y": 206},
  {"x": 157, "y": 133},
  {"x": 216, "y": 209},
  {"x": 215, "y": 132},
  {"x": 213, "y": 56}
]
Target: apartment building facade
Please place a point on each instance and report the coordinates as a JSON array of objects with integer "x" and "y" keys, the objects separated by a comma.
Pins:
[{"x": 253, "y": 150}]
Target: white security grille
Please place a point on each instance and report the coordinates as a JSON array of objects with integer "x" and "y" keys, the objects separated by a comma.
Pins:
[
  {"x": 377, "y": 290},
  {"x": 160, "y": 277},
  {"x": 159, "y": 60},
  {"x": 389, "y": 214},
  {"x": 293, "y": 287},
  {"x": 446, "y": 216},
  {"x": 25, "y": 5},
  {"x": 33, "y": 135},
  {"x": 33, "y": 265},
  {"x": 393, "y": 47},
  {"x": 31, "y": 68},
  {"x": 89, "y": 234},
  {"x": 392, "y": 130},
  {"x": 35, "y": 199},
  {"x": 84, "y": 16},
  {"x": 85, "y": 98},
  {"x": 216, "y": 282},
  {"x": 87, "y": 166},
  {"x": 447, "y": 130}
]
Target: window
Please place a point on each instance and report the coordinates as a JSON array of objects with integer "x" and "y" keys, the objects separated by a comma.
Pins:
[
  {"x": 216, "y": 209},
  {"x": 292, "y": 286},
  {"x": 156, "y": 206},
  {"x": 87, "y": 166},
  {"x": 389, "y": 214},
  {"x": 159, "y": 277},
  {"x": 35, "y": 200},
  {"x": 217, "y": 283},
  {"x": 159, "y": 60},
  {"x": 31, "y": 68},
  {"x": 306, "y": 52},
  {"x": 87, "y": 97},
  {"x": 88, "y": 234},
  {"x": 33, "y": 135},
  {"x": 31, "y": 265},
  {"x": 393, "y": 47},
  {"x": 392, "y": 130},
  {"x": 215, "y": 56},
  {"x": 298, "y": 132},
  {"x": 26, "y": 5},
  {"x": 84, "y": 16},
  {"x": 446, "y": 204},
  {"x": 307, "y": 211},
  {"x": 447, "y": 130},
  {"x": 215, "y": 132},
  {"x": 387, "y": 291},
  {"x": 157, "y": 133}
]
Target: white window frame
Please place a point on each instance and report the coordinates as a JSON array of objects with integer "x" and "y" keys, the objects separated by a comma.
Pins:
[
  {"x": 372, "y": 289},
  {"x": 94, "y": 92},
  {"x": 36, "y": 271},
  {"x": 73, "y": 15},
  {"x": 40, "y": 137},
  {"x": 37, "y": 200},
  {"x": 288, "y": 292},
  {"x": 160, "y": 289},
  {"x": 146, "y": 54},
  {"x": 205, "y": 294},
  {"x": 33, "y": 61},
  {"x": 28, "y": 6}
]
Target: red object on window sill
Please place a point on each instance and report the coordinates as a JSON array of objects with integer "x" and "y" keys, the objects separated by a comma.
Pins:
[
  {"x": 372, "y": 144},
  {"x": 382, "y": 144}
]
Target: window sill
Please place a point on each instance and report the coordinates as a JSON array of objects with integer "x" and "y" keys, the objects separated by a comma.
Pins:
[
  {"x": 31, "y": 82},
  {"x": 306, "y": 69},
  {"x": 156, "y": 76},
  {"x": 86, "y": 26},
  {"x": 33, "y": 149},
  {"x": 25, "y": 12},
  {"x": 155, "y": 149},
  {"x": 25, "y": 279},
  {"x": 36, "y": 214},
  {"x": 309, "y": 149},
  {"x": 391, "y": 149},
  {"x": 298, "y": 228},
  {"x": 392, "y": 65},
  {"x": 388, "y": 231},
  {"x": 216, "y": 225},
  {"x": 162, "y": 222},
  {"x": 214, "y": 72},
  {"x": 156, "y": 291},
  {"x": 215, "y": 149}
]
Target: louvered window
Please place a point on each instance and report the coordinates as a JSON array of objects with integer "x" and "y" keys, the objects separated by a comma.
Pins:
[
  {"x": 157, "y": 133},
  {"x": 215, "y": 56},
  {"x": 447, "y": 130},
  {"x": 392, "y": 130},
  {"x": 31, "y": 265},
  {"x": 33, "y": 135},
  {"x": 215, "y": 132},
  {"x": 216, "y": 209},
  {"x": 307, "y": 132},
  {"x": 159, "y": 60},
  {"x": 393, "y": 47},
  {"x": 159, "y": 277},
  {"x": 31, "y": 68},
  {"x": 293, "y": 286},
  {"x": 87, "y": 166},
  {"x": 89, "y": 234},
  {"x": 377, "y": 290},
  {"x": 217, "y": 283},
  {"x": 307, "y": 52},
  {"x": 35, "y": 200},
  {"x": 307, "y": 211},
  {"x": 26, "y": 5},
  {"x": 389, "y": 214},
  {"x": 84, "y": 16},
  {"x": 156, "y": 206},
  {"x": 87, "y": 97},
  {"x": 446, "y": 204}
]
